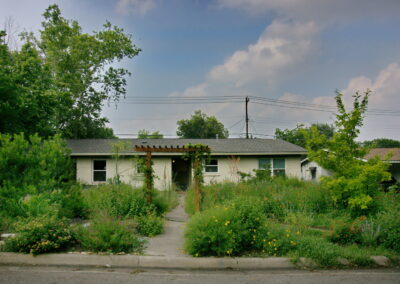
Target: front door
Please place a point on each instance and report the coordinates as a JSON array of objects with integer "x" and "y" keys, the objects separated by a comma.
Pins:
[{"x": 181, "y": 173}]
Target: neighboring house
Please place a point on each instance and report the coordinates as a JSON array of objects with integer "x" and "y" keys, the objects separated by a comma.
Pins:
[
  {"x": 311, "y": 170},
  {"x": 393, "y": 160},
  {"x": 95, "y": 164}
]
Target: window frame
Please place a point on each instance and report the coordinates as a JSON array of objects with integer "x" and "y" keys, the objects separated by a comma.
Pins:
[
  {"x": 95, "y": 170},
  {"x": 208, "y": 165},
  {"x": 271, "y": 162}
]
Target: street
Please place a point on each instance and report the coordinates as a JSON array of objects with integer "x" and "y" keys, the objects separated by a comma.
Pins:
[{"x": 33, "y": 275}]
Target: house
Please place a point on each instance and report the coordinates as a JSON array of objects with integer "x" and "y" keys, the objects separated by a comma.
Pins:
[
  {"x": 393, "y": 160},
  {"x": 311, "y": 170},
  {"x": 95, "y": 163}
]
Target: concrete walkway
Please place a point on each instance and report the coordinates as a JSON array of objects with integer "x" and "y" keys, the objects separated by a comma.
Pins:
[{"x": 170, "y": 243}]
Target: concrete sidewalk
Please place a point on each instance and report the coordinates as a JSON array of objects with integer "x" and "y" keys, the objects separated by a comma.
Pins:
[{"x": 170, "y": 243}]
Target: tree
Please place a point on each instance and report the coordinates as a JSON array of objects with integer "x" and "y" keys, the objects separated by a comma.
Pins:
[
  {"x": 354, "y": 183},
  {"x": 201, "y": 126},
  {"x": 145, "y": 134},
  {"x": 297, "y": 135},
  {"x": 63, "y": 78},
  {"x": 382, "y": 143}
]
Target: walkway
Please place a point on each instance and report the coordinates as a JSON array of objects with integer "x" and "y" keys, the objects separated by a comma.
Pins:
[{"x": 170, "y": 243}]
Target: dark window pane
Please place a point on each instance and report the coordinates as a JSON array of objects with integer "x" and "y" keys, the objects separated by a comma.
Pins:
[
  {"x": 213, "y": 163},
  {"x": 279, "y": 163},
  {"x": 99, "y": 176},
  {"x": 99, "y": 165},
  {"x": 211, "y": 169},
  {"x": 264, "y": 164}
]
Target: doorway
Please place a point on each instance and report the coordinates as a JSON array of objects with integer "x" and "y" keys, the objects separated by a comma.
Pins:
[{"x": 181, "y": 173}]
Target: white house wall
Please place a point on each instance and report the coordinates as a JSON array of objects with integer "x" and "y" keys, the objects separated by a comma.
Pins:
[
  {"x": 162, "y": 166},
  {"x": 306, "y": 172}
]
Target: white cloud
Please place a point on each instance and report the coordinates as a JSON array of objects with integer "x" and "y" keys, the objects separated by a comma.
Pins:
[
  {"x": 127, "y": 7},
  {"x": 323, "y": 11},
  {"x": 282, "y": 45}
]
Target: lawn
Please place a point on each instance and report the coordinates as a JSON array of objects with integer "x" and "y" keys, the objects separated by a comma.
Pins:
[{"x": 290, "y": 217}]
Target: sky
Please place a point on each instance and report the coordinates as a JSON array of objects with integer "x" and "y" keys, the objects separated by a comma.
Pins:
[{"x": 286, "y": 55}]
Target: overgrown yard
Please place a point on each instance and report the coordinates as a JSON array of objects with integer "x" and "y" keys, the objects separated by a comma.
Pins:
[
  {"x": 289, "y": 217},
  {"x": 106, "y": 218}
]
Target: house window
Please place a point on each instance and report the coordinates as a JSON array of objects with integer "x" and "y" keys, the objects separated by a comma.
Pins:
[
  {"x": 99, "y": 170},
  {"x": 211, "y": 166},
  {"x": 264, "y": 164},
  {"x": 278, "y": 165}
]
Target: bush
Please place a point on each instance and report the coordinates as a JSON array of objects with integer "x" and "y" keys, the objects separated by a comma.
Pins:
[
  {"x": 123, "y": 201},
  {"x": 273, "y": 240},
  {"x": 41, "y": 235},
  {"x": 108, "y": 235},
  {"x": 390, "y": 230},
  {"x": 150, "y": 225},
  {"x": 226, "y": 230},
  {"x": 347, "y": 233}
]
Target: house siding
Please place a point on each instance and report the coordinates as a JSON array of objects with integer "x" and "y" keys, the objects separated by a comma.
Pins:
[{"x": 228, "y": 168}]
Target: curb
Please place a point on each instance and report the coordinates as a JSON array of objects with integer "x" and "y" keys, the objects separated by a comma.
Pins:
[{"x": 136, "y": 261}]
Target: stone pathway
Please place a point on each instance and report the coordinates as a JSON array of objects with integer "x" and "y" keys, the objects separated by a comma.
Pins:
[{"x": 170, "y": 243}]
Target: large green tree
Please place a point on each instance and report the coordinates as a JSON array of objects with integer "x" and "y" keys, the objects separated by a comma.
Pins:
[
  {"x": 354, "y": 182},
  {"x": 61, "y": 79},
  {"x": 297, "y": 135},
  {"x": 201, "y": 126}
]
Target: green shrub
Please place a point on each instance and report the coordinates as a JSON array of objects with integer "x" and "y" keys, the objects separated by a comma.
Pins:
[
  {"x": 39, "y": 205},
  {"x": 390, "y": 230},
  {"x": 150, "y": 225},
  {"x": 318, "y": 249},
  {"x": 274, "y": 240},
  {"x": 41, "y": 235},
  {"x": 347, "y": 232},
  {"x": 123, "y": 201},
  {"x": 226, "y": 230},
  {"x": 71, "y": 202},
  {"x": 108, "y": 235}
]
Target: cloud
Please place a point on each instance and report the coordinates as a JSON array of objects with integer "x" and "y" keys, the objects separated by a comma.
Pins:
[
  {"x": 326, "y": 11},
  {"x": 282, "y": 45},
  {"x": 127, "y": 7}
]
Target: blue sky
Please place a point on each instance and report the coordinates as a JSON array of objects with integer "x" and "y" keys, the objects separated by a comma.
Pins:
[{"x": 301, "y": 51}]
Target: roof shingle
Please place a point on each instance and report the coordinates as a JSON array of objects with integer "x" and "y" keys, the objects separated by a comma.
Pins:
[{"x": 220, "y": 146}]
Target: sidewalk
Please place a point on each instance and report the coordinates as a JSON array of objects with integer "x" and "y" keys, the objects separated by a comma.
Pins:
[{"x": 170, "y": 243}]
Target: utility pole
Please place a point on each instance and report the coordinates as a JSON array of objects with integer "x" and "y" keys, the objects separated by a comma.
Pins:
[{"x": 247, "y": 117}]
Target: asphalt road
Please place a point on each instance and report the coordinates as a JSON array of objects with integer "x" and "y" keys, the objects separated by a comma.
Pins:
[{"x": 43, "y": 275}]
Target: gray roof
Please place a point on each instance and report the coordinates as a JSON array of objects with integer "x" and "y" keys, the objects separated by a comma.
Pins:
[{"x": 87, "y": 147}]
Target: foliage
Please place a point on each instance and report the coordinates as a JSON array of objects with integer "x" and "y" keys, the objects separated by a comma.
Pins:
[
  {"x": 226, "y": 230},
  {"x": 145, "y": 134},
  {"x": 149, "y": 225},
  {"x": 381, "y": 143},
  {"x": 200, "y": 154},
  {"x": 117, "y": 149},
  {"x": 201, "y": 126},
  {"x": 123, "y": 201},
  {"x": 108, "y": 235},
  {"x": 41, "y": 235},
  {"x": 354, "y": 183},
  {"x": 297, "y": 135},
  {"x": 58, "y": 82},
  {"x": 42, "y": 164}
]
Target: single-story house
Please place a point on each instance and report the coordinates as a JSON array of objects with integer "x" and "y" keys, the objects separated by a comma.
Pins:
[
  {"x": 394, "y": 160},
  {"x": 95, "y": 163}
]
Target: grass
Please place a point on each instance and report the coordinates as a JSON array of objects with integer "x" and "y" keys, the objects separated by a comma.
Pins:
[{"x": 298, "y": 219}]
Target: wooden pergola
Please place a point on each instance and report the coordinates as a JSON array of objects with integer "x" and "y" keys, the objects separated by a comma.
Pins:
[{"x": 171, "y": 149}]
